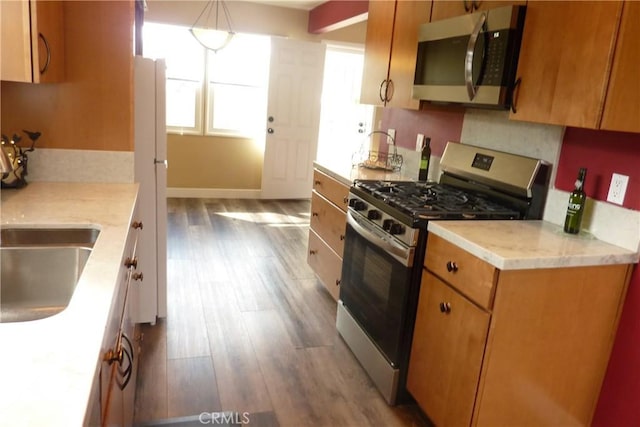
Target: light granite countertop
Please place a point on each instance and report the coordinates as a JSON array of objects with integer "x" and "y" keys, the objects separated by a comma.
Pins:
[
  {"x": 519, "y": 245},
  {"x": 47, "y": 366}
]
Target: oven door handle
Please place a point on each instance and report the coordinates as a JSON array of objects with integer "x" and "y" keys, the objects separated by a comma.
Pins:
[{"x": 398, "y": 252}]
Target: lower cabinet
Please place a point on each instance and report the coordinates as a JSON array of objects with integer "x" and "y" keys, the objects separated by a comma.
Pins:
[
  {"x": 116, "y": 383},
  {"x": 327, "y": 230},
  {"x": 523, "y": 347}
]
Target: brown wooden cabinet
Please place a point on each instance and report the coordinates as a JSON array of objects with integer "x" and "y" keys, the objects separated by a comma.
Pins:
[
  {"x": 511, "y": 347},
  {"x": 576, "y": 65},
  {"x": 443, "y": 9},
  {"x": 622, "y": 106},
  {"x": 32, "y": 41},
  {"x": 120, "y": 347},
  {"x": 327, "y": 227},
  {"x": 390, "y": 52}
]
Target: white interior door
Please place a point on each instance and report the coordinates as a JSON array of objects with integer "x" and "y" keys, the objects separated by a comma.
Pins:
[{"x": 293, "y": 118}]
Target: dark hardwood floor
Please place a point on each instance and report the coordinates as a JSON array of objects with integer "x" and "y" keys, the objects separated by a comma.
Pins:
[{"x": 249, "y": 329}]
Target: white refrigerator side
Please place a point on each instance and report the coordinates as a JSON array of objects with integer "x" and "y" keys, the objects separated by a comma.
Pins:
[
  {"x": 160, "y": 162},
  {"x": 149, "y": 295}
]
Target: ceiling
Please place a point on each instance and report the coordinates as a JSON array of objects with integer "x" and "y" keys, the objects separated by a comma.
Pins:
[{"x": 294, "y": 4}]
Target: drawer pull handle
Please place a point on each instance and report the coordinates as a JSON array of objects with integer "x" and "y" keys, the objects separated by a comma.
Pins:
[
  {"x": 137, "y": 276},
  {"x": 345, "y": 199},
  {"x": 313, "y": 252},
  {"x": 445, "y": 307},
  {"x": 452, "y": 267},
  {"x": 137, "y": 225},
  {"x": 131, "y": 262},
  {"x": 342, "y": 237},
  {"x": 337, "y": 282},
  {"x": 314, "y": 213},
  {"x": 317, "y": 182}
]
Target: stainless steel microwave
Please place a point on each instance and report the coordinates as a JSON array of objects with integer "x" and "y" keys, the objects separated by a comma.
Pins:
[{"x": 470, "y": 59}]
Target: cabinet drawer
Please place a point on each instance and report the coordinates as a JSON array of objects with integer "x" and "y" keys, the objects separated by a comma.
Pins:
[
  {"x": 332, "y": 190},
  {"x": 325, "y": 263},
  {"x": 467, "y": 273},
  {"x": 446, "y": 354},
  {"x": 328, "y": 222}
]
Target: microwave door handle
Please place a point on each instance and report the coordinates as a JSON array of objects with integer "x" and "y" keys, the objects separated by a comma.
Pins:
[
  {"x": 399, "y": 253},
  {"x": 468, "y": 62}
]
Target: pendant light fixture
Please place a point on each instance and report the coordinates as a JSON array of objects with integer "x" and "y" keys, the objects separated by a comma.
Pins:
[{"x": 210, "y": 36}]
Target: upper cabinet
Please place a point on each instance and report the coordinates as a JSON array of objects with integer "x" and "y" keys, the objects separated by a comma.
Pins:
[
  {"x": 622, "y": 106},
  {"x": 578, "y": 60},
  {"x": 443, "y": 9},
  {"x": 390, "y": 52},
  {"x": 32, "y": 41}
]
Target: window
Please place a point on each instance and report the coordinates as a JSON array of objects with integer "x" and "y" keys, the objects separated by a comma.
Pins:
[{"x": 209, "y": 93}]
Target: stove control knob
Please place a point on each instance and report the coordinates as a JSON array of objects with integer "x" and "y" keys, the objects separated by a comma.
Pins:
[
  {"x": 357, "y": 205},
  {"x": 373, "y": 214},
  {"x": 396, "y": 228},
  {"x": 387, "y": 224}
]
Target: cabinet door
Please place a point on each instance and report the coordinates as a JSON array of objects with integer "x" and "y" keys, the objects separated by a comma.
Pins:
[
  {"x": 377, "y": 51},
  {"x": 447, "y": 351},
  {"x": 564, "y": 61},
  {"x": 15, "y": 27},
  {"x": 622, "y": 109},
  {"x": 409, "y": 16},
  {"x": 48, "y": 38}
]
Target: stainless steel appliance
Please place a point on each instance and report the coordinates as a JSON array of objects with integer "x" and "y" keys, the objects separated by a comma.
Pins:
[
  {"x": 470, "y": 59},
  {"x": 385, "y": 243}
]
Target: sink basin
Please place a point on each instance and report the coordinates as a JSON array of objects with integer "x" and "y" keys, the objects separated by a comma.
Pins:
[{"x": 39, "y": 269}]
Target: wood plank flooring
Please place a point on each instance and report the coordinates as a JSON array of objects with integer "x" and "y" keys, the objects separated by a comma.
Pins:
[{"x": 249, "y": 329}]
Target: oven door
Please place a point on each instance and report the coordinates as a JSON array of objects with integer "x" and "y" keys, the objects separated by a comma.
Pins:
[{"x": 376, "y": 279}]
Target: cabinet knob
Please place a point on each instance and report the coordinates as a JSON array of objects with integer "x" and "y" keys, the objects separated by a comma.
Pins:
[
  {"x": 313, "y": 252},
  {"x": 345, "y": 199},
  {"x": 342, "y": 237},
  {"x": 452, "y": 267},
  {"x": 314, "y": 213},
  {"x": 317, "y": 182},
  {"x": 137, "y": 276},
  {"x": 137, "y": 225},
  {"x": 445, "y": 307},
  {"x": 131, "y": 262},
  {"x": 337, "y": 282}
]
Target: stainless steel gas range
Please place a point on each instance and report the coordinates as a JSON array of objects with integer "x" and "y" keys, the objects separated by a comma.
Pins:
[{"x": 385, "y": 243}]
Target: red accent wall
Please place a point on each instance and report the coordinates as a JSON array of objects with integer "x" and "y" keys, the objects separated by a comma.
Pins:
[
  {"x": 618, "y": 404},
  {"x": 602, "y": 153},
  {"x": 335, "y": 14},
  {"x": 439, "y": 125}
]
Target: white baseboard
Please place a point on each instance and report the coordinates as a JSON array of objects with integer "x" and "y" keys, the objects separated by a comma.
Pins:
[{"x": 213, "y": 193}]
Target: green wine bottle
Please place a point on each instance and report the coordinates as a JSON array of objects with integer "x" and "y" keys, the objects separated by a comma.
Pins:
[
  {"x": 577, "y": 201},
  {"x": 425, "y": 156}
]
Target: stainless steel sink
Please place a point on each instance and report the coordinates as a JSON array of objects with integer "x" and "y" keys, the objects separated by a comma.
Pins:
[{"x": 39, "y": 269}]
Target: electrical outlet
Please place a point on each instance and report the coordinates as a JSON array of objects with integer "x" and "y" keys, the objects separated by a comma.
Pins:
[
  {"x": 617, "y": 189},
  {"x": 391, "y": 137},
  {"x": 419, "y": 142}
]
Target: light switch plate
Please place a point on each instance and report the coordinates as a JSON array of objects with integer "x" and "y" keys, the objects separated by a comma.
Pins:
[
  {"x": 392, "y": 136},
  {"x": 618, "y": 188}
]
